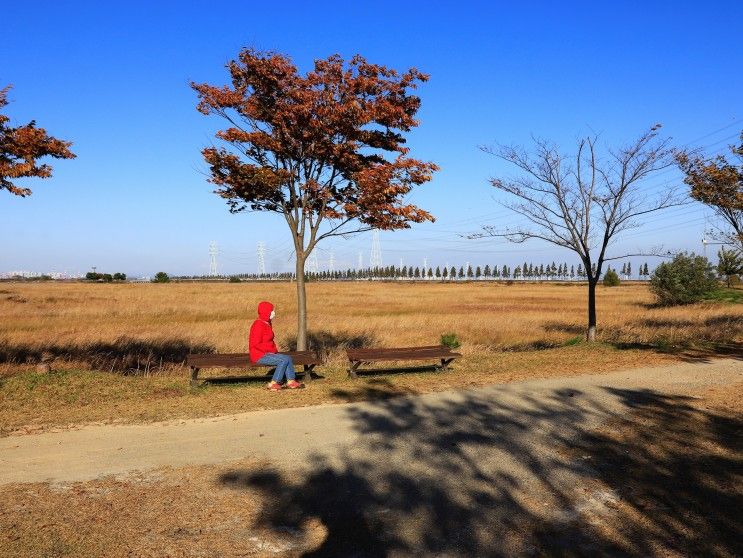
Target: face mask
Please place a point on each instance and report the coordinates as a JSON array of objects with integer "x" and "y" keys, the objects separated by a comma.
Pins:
[{"x": 273, "y": 315}]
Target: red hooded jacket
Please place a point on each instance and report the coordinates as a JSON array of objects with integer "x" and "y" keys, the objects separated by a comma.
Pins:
[{"x": 260, "y": 341}]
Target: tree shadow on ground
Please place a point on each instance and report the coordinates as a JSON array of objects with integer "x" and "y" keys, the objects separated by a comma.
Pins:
[
  {"x": 372, "y": 389},
  {"x": 258, "y": 377},
  {"x": 689, "y": 340},
  {"x": 690, "y": 352},
  {"x": 536, "y": 345},
  {"x": 733, "y": 322},
  {"x": 470, "y": 476},
  {"x": 376, "y": 369},
  {"x": 564, "y": 327},
  {"x": 125, "y": 354},
  {"x": 666, "y": 322}
]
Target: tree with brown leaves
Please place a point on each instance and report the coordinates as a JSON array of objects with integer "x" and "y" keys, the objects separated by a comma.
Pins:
[
  {"x": 20, "y": 151},
  {"x": 718, "y": 183},
  {"x": 313, "y": 147},
  {"x": 583, "y": 202}
]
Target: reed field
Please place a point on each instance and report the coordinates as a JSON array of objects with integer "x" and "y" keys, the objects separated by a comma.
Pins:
[{"x": 117, "y": 349}]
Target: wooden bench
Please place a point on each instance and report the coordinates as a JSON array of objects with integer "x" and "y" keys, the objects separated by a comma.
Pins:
[
  {"x": 357, "y": 357},
  {"x": 307, "y": 359}
]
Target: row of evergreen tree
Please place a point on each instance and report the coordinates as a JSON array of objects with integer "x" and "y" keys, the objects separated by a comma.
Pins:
[{"x": 525, "y": 271}]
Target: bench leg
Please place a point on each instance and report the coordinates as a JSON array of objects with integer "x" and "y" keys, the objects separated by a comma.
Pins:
[
  {"x": 445, "y": 362},
  {"x": 352, "y": 369},
  {"x": 308, "y": 368},
  {"x": 194, "y": 377}
]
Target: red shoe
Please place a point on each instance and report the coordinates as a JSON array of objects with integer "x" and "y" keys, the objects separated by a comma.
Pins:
[
  {"x": 273, "y": 386},
  {"x": 293, "y": 384}
]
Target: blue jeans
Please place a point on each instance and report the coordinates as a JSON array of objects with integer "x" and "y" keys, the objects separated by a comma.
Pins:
[{"x": 283, "y": 363}]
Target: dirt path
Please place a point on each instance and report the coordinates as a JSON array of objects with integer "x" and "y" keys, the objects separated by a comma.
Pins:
[{"x": 291, "y": 437}]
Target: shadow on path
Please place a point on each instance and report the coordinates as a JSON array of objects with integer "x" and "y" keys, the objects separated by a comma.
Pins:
[{"x": 523, "y": 476}]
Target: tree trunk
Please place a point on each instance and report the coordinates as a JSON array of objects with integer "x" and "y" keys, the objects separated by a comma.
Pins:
[
  {"x": 591, "y": 335},
  {"x": 301, "y": 309}
]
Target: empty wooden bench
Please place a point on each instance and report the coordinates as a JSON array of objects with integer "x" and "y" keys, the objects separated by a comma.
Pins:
[
  {"x": 307, "y": 359},
  {"x": 357, "y": 357}
]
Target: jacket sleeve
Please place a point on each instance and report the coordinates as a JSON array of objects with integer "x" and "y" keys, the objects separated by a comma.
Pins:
[{"x": 254, "y": 340}]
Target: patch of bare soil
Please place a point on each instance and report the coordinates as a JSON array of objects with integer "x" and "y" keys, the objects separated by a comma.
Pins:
[{"x": 181, "y": 512}]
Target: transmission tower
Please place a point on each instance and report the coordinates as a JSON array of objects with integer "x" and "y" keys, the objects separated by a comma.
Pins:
[
  {"x": 261, "y": 258},
  {"x": 706, "y": 243},
  {"x": 213, "y": 250},
  {"x": 360, "y": 265},
  {"x": 331, "y": 262},
  {"x": 312, "y": 262},
  {"x": 376, "y": 251}
]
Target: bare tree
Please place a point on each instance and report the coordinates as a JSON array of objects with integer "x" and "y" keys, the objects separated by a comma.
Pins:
[{"x": 584, "y": 201}]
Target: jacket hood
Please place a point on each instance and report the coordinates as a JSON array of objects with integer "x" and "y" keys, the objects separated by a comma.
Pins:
[{"x": 264, "y": 310}]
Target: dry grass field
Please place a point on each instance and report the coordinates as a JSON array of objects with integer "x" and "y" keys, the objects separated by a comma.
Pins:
[{"x": 118, "y": 347}]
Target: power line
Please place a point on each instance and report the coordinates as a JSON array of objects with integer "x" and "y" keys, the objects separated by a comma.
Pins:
[
  {"x": 673, "y": 226},
  {"x": 733, "y": 123}
]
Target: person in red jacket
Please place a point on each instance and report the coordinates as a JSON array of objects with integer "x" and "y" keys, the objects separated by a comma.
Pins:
[{"x": 263, "y": 350}]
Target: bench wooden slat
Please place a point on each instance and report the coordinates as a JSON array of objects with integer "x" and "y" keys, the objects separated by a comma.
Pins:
[
  {"x": 399, "y": 349},
  {"x": 396, "y": 352},
  {"x": 359, "y": 356},
  {"x": 393, "y": 353},
  {"x": 404, "y": 357},
  {"x": 401, "y": 353},
  {"x": 242, "y": 360}
]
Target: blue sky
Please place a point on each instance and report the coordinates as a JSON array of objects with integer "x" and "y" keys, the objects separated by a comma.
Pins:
[{"x": 113, "y": 78}]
